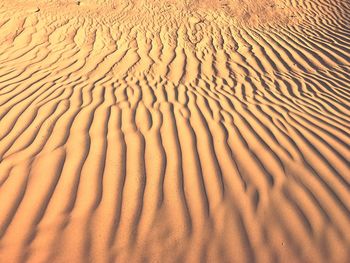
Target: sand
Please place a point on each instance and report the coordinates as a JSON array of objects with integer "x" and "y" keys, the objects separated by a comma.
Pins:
[{"x": 174, "y": 131}]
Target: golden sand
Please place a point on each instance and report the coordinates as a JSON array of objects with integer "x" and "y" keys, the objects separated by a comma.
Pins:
[{"x": 174, "y": 131}]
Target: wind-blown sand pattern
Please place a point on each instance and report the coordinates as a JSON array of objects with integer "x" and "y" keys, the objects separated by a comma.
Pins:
[{"x": 150, "y": 131}]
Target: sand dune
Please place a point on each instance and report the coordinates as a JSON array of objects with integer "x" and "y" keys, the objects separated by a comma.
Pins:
[{"x": 170, "y": 131}]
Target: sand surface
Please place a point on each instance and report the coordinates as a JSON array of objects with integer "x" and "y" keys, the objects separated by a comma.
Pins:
[{"x": 174, "y": 131}]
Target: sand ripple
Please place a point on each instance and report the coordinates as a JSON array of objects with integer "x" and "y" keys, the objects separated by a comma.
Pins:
[{"x": 197, "y": 139}]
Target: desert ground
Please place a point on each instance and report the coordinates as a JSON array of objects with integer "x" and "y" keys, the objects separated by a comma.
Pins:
[{"x": 174, "y": 131}]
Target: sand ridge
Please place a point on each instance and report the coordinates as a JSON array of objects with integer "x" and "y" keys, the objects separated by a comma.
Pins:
[{"x": 134, "y": 135}]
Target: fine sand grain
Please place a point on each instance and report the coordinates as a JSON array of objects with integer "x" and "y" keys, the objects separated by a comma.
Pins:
[{"x": 174, "y": 131}]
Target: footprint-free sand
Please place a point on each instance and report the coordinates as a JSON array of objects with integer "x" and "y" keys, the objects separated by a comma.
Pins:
[{"x": 174, "y": 131}]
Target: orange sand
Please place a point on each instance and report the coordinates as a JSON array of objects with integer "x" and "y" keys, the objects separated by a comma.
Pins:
[{"x": 174, "y": 131}]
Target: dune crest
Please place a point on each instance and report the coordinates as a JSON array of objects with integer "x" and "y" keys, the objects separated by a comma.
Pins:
[{"x": 138, "y": 131}]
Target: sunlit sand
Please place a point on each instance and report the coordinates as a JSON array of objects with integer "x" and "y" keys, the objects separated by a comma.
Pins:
[{"x": 174, "y": 131}]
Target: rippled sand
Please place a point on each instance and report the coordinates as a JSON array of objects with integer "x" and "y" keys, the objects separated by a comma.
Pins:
[{"x": 174, "y": 131}]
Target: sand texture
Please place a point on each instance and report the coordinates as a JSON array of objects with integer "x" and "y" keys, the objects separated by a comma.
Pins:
[{"x": 174, "y": 131}]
